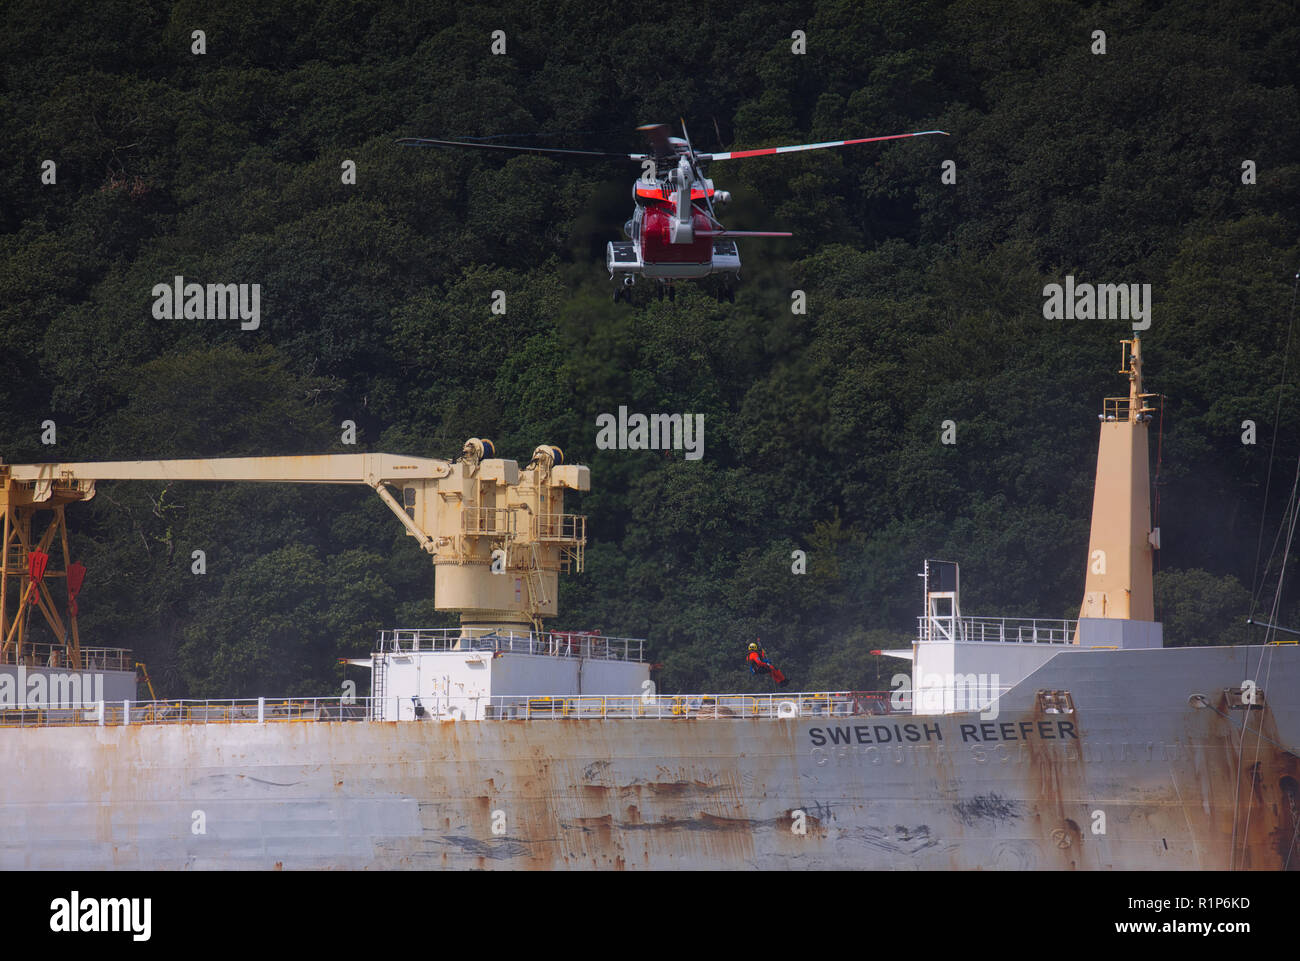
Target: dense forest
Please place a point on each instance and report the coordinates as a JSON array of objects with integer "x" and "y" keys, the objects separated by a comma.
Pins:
[{"x": 1172, "y": 158}]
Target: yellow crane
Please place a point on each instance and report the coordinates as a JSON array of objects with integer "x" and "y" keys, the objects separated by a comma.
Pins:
[
  {"x": 498, "y": 535},
  {"x": 144, "y": 676}
]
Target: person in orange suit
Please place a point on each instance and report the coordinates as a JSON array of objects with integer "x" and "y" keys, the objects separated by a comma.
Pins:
[{"x": 759, "y": 665}]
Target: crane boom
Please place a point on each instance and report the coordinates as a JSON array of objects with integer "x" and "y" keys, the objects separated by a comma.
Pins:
[{"x": 369, "y": 469}]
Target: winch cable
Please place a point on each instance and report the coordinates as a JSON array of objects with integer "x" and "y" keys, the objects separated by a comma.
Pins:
[
  {"x": 1294, "y": 513},
  {"x": 1155, "y": 491},
  {"x": 1295, "y": 832},
  {"x": 1254, "y": 766},
  {"x": 1255, "y": 586}
]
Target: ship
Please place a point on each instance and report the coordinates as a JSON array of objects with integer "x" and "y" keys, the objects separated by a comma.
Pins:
[{"x": 1005, "y": 743}]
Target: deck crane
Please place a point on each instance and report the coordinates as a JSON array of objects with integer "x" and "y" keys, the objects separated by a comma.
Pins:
[{"x": 498, "y": 535}]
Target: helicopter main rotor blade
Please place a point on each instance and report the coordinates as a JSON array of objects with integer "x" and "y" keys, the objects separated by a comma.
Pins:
[
  {"x": 742, "y": 233},
  {"x": 765, "y": 151},
  {"x": 427, "y": 142}
]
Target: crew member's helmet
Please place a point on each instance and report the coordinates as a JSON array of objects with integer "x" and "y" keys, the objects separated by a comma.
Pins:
[{"x": 753, "y": 647}]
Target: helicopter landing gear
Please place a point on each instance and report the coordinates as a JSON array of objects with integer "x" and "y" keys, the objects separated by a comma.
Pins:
[
  {"x": 727, "y": 294},
  {"x": 625, "y": 294}
]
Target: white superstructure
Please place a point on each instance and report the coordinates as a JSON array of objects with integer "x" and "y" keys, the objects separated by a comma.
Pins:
[{"x": 466, "y": 674}]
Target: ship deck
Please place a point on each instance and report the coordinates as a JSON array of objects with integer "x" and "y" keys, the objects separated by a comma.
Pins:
[{"x": 823, "y": 704}]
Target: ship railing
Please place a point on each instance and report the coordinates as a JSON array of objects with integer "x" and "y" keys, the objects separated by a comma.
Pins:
[
  {"x": 543, "y": 707},
  {"x": 487, "y": 520},
  {"x": 228, "y": 711},
  {"x": 537, "y": 708},
  {"x": 107, "y": 659},
  {"x": 564, "y": 528},
  {"x": 1002, "y": 630},
  {"x": 668, "y": 707},
  {"x": 1121, "y": 408},
  {"x": 820, "y": 704},
  {"x": 682, "y": 706},
  {"x": 588, "y": 644},
  {"x": 56, "y": 655}
]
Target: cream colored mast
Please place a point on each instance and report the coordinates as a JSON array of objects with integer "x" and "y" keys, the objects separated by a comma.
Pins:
[{"x": 1118, "y": 584}]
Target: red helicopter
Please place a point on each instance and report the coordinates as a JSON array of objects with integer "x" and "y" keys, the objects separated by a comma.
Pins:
[{"x": 674, "y": 233}]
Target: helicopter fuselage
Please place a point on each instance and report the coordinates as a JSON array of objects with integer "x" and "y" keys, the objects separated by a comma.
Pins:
[
  {"x": 669, "y": 238},
  {"x": 651, "y": 252}
]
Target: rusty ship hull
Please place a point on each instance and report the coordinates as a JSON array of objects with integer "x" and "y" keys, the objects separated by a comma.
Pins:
[{"x": 1153, "y": 765}]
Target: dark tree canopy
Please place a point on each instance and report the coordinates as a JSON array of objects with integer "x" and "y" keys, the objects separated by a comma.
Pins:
[{"x": 924, "y": 304}]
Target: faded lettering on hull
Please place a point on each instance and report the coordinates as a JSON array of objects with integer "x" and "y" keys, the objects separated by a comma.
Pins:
[{"x": 919, "y": 732}]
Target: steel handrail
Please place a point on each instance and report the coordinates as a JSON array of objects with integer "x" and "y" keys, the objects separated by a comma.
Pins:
[
  {"x": 588, "y": 644},
  {"x": 1006, "y": 630},
  {"x": 501, "y": 707}
]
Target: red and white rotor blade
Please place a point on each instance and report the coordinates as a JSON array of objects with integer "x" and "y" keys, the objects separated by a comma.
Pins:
[
  {"x": 742, "y": 233},
  {"x": 767, "y": 151}
]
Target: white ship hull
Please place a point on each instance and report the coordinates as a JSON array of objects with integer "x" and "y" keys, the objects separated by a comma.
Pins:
[{"x": 1137, "y": 777}]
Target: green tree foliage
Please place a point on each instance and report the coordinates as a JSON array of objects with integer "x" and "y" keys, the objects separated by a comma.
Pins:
[
  {"x": 1201, "y": 609},
  {"x": 924, "y": 305},
  {"x": 280, "y": 623}
]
